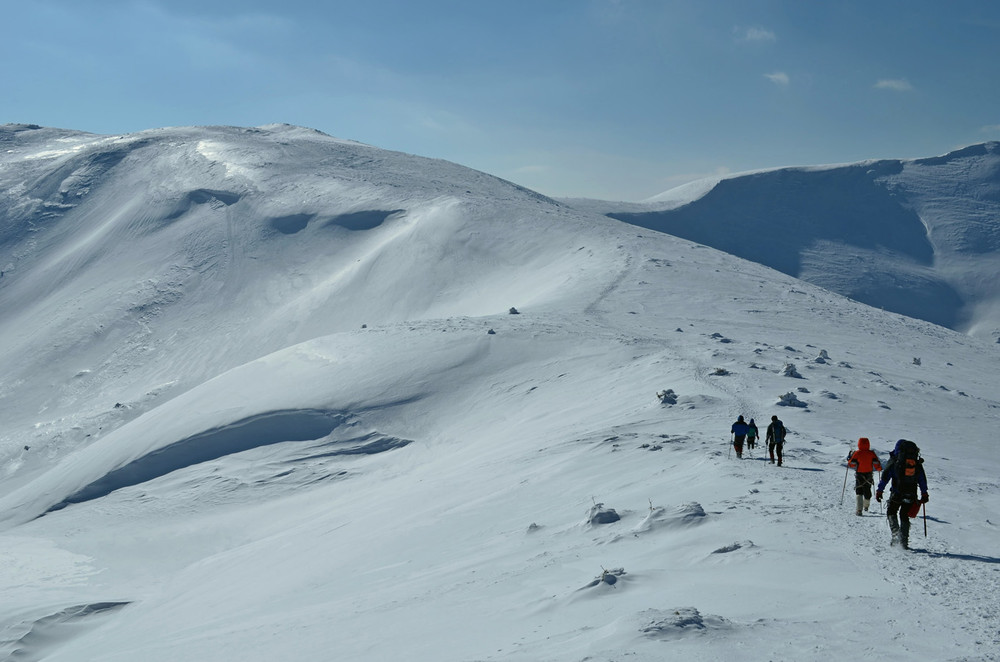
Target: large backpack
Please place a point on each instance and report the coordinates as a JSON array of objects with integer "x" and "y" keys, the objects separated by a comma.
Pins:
[{"x": 907, "y": 466}]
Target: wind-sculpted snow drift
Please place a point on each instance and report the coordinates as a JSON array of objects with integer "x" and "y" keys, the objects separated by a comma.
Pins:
[
  {"x": 43, "y": 635},
  {"x": 260, "y": 430}
]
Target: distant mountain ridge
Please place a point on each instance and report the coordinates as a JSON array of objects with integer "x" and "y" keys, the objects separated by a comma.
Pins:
[{"x": 918, "y": 237}]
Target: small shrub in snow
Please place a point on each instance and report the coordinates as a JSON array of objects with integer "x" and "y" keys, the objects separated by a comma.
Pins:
[
  {"x": 667, "y": 397},
  {"x": 609, "y": 577},
  {"x": 790, "y": 400},
  {"x": 681, "y": 623},
  {"x": 601, "y": 515},
  {"x": 746, "y": 544},
  {"x": 916, "y": 360},
  {"x": 791, "y": 371}
]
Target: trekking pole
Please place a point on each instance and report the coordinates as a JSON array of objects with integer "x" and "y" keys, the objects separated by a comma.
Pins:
[
  {"x": 730, "y": 454},
  {"x": 844, "y": 491},
  {"x": 925, "y": 519}
]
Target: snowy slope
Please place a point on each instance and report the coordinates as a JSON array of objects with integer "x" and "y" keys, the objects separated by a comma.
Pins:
[
  {"x": 918, "y": 237},
  {"x": 254, "y": 410}
]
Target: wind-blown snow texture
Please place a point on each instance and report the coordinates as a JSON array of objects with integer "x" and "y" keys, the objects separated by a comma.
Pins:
[{"x": 264, "y": 397}]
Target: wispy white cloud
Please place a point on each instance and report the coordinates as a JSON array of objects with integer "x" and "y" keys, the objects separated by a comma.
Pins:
[
  {"x": 894, "y": 84},
  {"x": 778, "y": 78},
  {"x": 754, "y": 34}
]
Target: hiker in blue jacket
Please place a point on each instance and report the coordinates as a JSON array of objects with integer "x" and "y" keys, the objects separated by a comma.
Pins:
[
  {"x": 905, "y": 469},
  {"x": 739, "y": 431}
]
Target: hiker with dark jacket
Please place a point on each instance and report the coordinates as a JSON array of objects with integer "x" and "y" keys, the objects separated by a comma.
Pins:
[
  {"x": 775, "y": 438},
  {"x": 865, "y": 463},
  {"x": 739, "y": 431},
  {"x": 906, "y": 472},
  {"x": 752, "y": 434}
]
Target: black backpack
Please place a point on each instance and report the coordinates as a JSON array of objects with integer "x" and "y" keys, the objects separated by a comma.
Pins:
[
  {"x": 779, "y": 432},
  {"x": 907, "y": 466}
]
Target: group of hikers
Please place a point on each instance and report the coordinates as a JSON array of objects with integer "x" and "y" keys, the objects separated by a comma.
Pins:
[
  {"x": 748, "y": 433},
  {"x": 903, "y": 473}
]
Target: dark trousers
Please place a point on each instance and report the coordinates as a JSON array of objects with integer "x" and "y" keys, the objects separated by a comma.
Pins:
[
  {"x": 899, "y": 521},
  {"x": 738, "y": 443},
  {"x": 772, "y": 447},
  {"x": 863, "y": 484}
]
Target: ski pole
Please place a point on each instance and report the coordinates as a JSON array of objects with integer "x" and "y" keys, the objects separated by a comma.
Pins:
[
  {"x": 730, "y": 454},
  {"x": 844, "y": 491},
  {"x": 925, "y": 519}
]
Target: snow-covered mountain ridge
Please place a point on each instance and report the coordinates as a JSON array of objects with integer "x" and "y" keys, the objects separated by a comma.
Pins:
[
  {"x": 269, "y": 394},
  {"x": 919, "y": 237}
]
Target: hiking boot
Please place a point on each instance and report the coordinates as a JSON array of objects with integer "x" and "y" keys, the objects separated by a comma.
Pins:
[
  {"x": 860, "y": 504},
  {"x": 858, "y": 513}
]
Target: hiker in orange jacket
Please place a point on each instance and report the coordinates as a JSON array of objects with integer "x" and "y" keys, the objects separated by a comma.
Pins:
[{"x": 865, "y": 462}]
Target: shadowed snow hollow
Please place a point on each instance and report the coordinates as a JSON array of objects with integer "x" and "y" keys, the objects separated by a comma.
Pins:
[{"x": 917, "y": 237}]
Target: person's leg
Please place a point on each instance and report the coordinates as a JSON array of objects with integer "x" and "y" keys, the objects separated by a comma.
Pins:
[
  {"x": 859, "y": 493},
  {"x": 779, "y": 453},
  {"x": 866, "y": 488},
  {"x": 892, "y": 514},
  {"x": 904, "y": 521}
]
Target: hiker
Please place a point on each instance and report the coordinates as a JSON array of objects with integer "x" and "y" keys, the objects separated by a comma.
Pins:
[
  {"x": 775, "y": 438},
  {"x": 739, "y": 431},
  {"x": 906, "y": 471},
  {"x": 752, "y": 434},
  {"x": 865, "y": 463}
]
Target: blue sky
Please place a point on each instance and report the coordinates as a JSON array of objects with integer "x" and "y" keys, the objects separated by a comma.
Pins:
[{"x": 614, "y": 99}]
